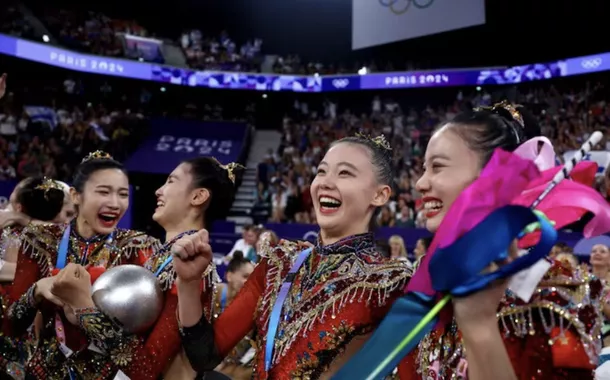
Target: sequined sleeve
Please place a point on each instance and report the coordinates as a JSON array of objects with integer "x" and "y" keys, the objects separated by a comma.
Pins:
[
  {"x": 558, "y": 331},
  {"x": 19, "y": 299},
  {"x": 138, "y": 357},
  {"x": 207, "y": 344},
  {"x": 107, "y": 336},
  {"x": 37, "y": 254}
]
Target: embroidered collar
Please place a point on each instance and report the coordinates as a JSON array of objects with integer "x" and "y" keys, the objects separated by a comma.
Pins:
[
  {"x": 169, "y": 244},
  {"x": 92, "y": 240},
  {"x": 361, "y": 244}
]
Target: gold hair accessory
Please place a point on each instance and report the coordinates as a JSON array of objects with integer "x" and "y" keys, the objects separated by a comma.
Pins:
[
  {"x": 230, "y": 168},
  {"x": 510, "y": 108},
  {"x": 48, "y": 184},
  {"x": 380, "y": 140},
  {"x": 97, "y": 155}
]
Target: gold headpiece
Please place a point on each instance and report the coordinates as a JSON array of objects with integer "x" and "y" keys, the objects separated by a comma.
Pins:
[
  {"x": 230, "y": 168},
  {"x": 510, "y": 108},
  {"x": 97, "y": 155},
  {"x": 48, "y": 184},
  {"x": 380, "y": 141}
]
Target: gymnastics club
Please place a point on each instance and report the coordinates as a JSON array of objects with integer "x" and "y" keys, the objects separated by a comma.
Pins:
[
  {"x": 595, "y": 138},
  {"x": 564, "y": 173}
]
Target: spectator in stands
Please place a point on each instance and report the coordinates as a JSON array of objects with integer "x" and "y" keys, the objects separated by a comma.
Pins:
[
  {"x": 262, "y": 196},
  {"x": 266, "y": 169},
  {"x": 279, "y": 200},
  {"x": 7, "y": 171},
  {"x": 405, "y": 216},
  {"x": 559, "y": 248},
  {"x": 13, "y": 22},
  {"x": 246, "y": 244},
  {"x": 29, "y": 166},
  {"x": 600, "y": 261},
  {"x": 397, "y": 247},
  {"x": 421, "y": 247},
  {"x": 386, "y": 217}
]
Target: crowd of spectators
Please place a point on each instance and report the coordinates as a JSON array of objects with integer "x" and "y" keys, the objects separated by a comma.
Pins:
[
  {"x": 96, "y": 33},
  {"x": 89, "y": 32},
  {"x": 12, "y": 22},
  {"x": 566, "y": 116},
  {"x": 221, "y": 53},
  {"x": 48, "y": 123},
  {"x": 51, "y": 120},
  {"x": 51, "y": 140}
]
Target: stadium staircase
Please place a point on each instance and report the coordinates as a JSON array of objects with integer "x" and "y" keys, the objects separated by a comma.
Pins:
[{"x": 241, "y": 211}]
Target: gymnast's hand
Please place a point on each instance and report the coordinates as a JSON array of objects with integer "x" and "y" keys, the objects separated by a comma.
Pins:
[
  {"x": 478, "y": 310},
  {"x": 73, "y": 286},
  {"x": 192, "y": 256}
]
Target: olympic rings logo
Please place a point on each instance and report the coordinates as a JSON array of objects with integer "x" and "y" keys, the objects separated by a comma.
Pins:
[
  {"x": 340, "y": 83},
  {"x": 591, "y": 64},
  {"x": 399, "y": 7}
]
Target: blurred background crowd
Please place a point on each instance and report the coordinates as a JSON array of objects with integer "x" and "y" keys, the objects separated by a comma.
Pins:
[{"x": 50, "y": 118}]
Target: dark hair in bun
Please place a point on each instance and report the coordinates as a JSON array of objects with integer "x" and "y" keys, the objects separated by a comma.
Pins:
[
  {"x": 40, "y": 198},
  {"x": 88, "y": 167},
  {"x": 502, "y": 126},
  {"x": 219, "y": 180},
  {"x": 237, "y": 261},
  {"x": 381, "y": 158},
  {"x": 381, "y": 155}
]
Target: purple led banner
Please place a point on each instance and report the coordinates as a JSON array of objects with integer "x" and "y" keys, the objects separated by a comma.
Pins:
[
  {"x": 51, "y": 55},
  {"x": 8, "y": 45},
  {"x": 588, "y": 64},
  {"x": 421, "y": 79}
]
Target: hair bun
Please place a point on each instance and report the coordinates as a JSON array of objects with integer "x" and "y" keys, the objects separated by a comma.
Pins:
[
  {"x": 523, "y": 123},
  {"x": 530, "y": 127},
  {"x": 238, "y": 255}
]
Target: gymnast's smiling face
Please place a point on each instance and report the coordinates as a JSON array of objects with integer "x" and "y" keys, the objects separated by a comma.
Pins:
[{"x": 449, "y": 167}]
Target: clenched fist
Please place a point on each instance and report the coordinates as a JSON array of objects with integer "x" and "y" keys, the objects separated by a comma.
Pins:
[
  {"x": 73, "y": 286},
  {"x": 192, "y": 256}
]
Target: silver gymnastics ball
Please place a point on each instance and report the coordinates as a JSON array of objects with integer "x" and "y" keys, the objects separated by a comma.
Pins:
[{"x": 130, "y": 295}]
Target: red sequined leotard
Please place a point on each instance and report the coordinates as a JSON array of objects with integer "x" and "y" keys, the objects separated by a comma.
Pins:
[
  {"x": 555, "y": 336},
  {"x": 99, "y": 347},
  {"x": 340, "y": 294},
  {"x": 163, "y": 342},
  {"x": 14, "y": 352}
]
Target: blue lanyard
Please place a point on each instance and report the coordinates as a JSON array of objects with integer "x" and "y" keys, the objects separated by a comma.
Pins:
[
  {"x": 168, "y": 246},
  {"x": 223, "y": 298},
  {"x": 276, "y": 312},
  {"x": 162, "y": 266},
  {"x": 64, "y": 248}
]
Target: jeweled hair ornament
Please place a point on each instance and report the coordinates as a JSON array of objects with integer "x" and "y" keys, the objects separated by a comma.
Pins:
[
  {"x": 47, "y": 185},
  {"x": 510, "y": 108},
  {"x": 230, "y": 168},
  {"x": 380, "y": 141},
  {"x": 97, "y": 155}
]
